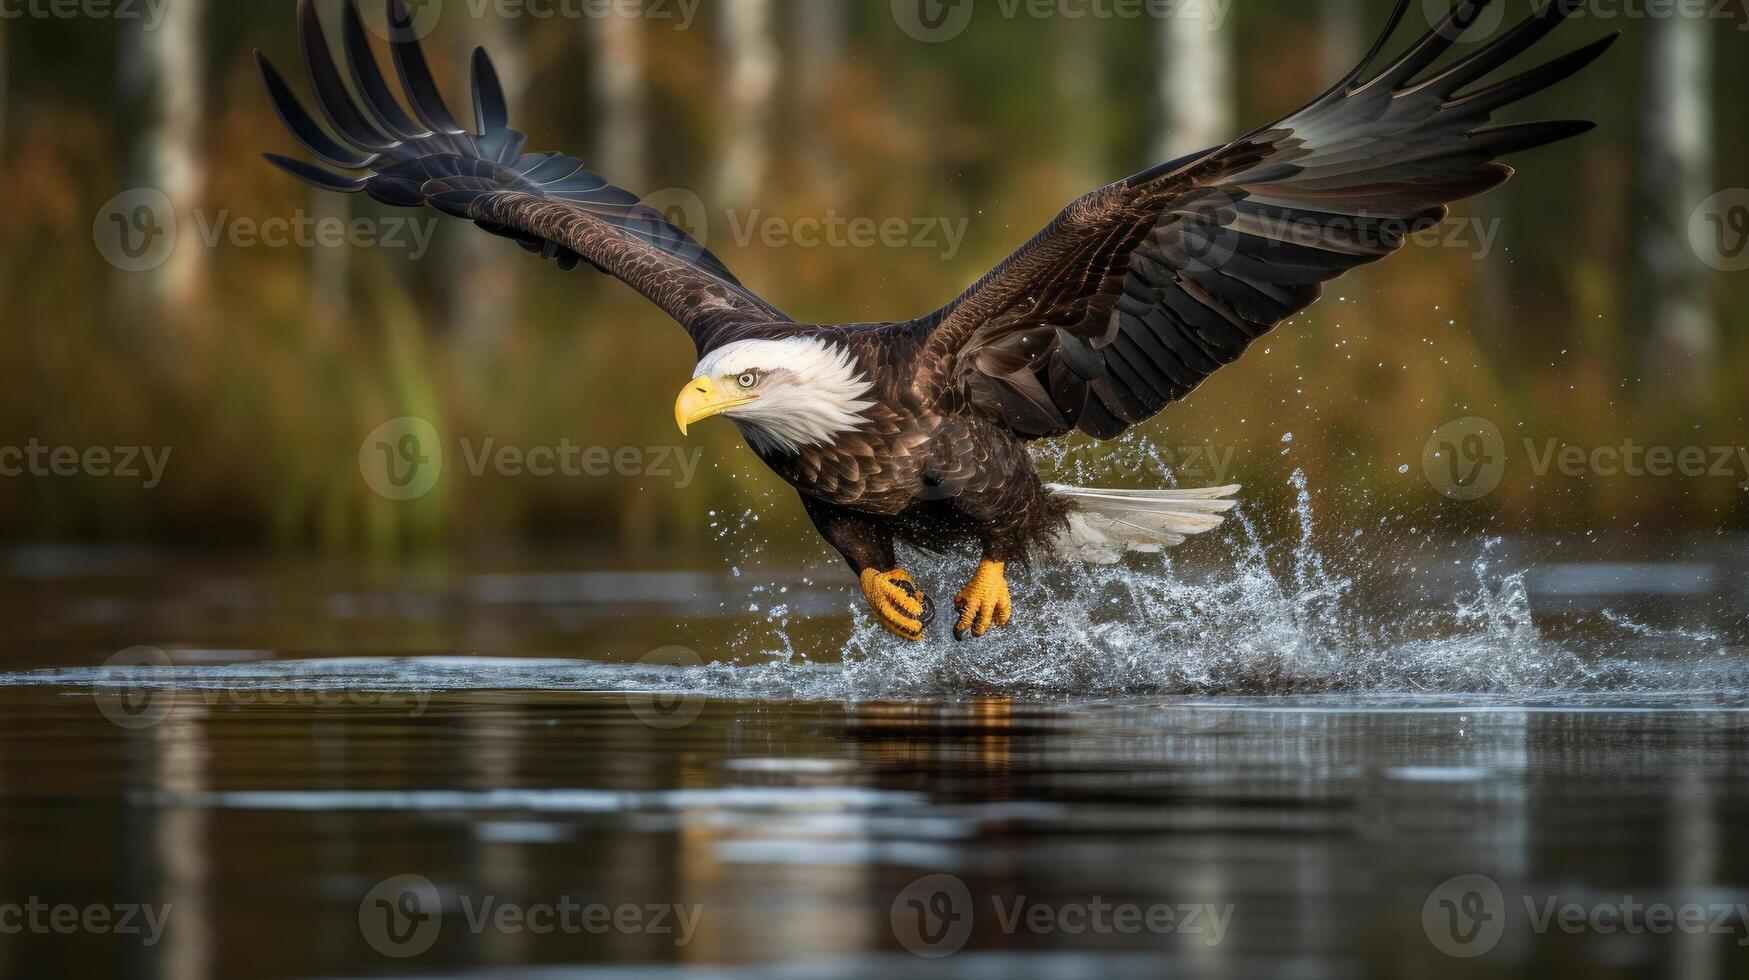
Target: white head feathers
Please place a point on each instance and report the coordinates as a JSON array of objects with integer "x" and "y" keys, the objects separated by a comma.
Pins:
[{"x": 809, "y": 390}]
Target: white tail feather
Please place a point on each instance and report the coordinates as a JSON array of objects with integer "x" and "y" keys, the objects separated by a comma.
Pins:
[{"x": 1107, "y": 523}]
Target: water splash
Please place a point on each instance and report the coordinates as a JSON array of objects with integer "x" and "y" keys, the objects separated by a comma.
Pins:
[
  {"x": 1275, "y": 619},
  {"x": 1305, "y": 612}
]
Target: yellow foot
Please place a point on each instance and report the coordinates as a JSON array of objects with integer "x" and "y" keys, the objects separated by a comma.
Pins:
[
  {"x": 983, "y": 602},
  {"x": 897, "y": 602}
]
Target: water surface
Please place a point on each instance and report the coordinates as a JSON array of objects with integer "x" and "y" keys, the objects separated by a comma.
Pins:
[{"x": 1262, "y": 769}]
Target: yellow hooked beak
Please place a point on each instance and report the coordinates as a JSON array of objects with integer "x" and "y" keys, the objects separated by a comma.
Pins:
[{"x": 701, "y": 399}]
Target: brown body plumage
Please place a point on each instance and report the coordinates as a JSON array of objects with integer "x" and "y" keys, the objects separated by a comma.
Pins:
[{"x": 1133, "y": 296}]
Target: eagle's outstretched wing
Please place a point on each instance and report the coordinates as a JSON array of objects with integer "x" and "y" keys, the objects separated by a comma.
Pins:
[
  {"x": 1139, "y": 291},
  {"x": 548, "y": 202}
]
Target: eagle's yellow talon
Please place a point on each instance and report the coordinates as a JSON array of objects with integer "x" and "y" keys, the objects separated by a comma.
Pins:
[
  {"x": 984, "y": 602},
  {"x": 896, "y": 601}
]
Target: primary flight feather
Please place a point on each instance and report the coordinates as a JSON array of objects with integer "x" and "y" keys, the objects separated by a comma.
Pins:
[{"x": 917, "y": 431}]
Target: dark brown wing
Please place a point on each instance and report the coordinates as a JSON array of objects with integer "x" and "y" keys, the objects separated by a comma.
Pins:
[
  {"x": 1139, "y": 291},
  {"x": 549, "y": 203}
]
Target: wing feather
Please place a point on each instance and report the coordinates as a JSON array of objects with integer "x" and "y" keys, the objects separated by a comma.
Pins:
[
  {"x": 550, "y": 204},
  {"x": 1156, "y": 282}
]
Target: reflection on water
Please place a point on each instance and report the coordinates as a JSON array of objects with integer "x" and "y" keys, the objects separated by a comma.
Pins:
[
  {"x": 333, "y": 770},
  {"x": 1314, "y": 831}
]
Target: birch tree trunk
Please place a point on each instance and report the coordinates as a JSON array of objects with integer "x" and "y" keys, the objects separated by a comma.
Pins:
[
  {"x": 1677, "y": 175},
  {"x": 165, "y": 67},
  {"x": 821, "y": 27},
  {"x": 5, "y": 72},
  {"x": 751, "y": 55},
  {"x": 623, "y": 140},
  {"x": 1196, "y": 80}
]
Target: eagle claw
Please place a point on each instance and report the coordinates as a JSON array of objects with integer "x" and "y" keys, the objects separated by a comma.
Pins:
[
  {"x": 897, "y": 602},
  {"x": 984, "y": 602},
  {"x": 910, "y": 588}
]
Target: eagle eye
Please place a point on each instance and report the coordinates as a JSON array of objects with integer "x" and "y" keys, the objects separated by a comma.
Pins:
[{"x": 749, "y": 379}]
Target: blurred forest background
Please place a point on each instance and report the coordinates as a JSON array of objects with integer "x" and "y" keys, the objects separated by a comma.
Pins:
[{"x": 1570, "y": 306}]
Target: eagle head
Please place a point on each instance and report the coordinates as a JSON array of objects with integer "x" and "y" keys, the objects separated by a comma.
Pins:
[{"x": 784, "y": 394}]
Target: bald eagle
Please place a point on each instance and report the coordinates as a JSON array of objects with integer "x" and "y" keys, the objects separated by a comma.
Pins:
[{"x": 917, "y": 432}]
